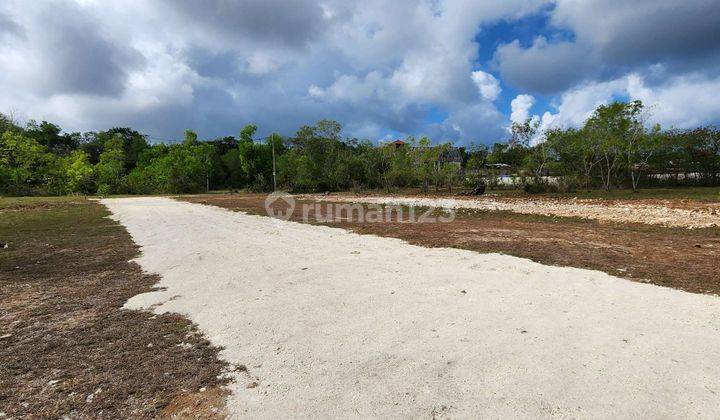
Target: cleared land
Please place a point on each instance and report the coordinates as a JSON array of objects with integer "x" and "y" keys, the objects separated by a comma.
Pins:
[
  {"x": 330, "y": 323},
  {"x": 672, "y": 214},
  {"x": 687, "y": 259},
  {"x": 66, "y": 346}
]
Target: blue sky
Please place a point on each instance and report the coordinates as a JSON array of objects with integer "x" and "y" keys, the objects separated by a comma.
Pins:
[{"x": 455, "y": 70}]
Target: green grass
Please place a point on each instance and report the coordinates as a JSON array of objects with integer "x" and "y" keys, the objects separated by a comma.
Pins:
[
  {"x": 23, "y": 202},
  {"x": 54, "y": 220}
]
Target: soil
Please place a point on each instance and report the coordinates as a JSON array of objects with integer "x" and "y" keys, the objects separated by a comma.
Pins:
[
  {"x": 67, "y": 347},
  {"x": 673, "y": 257}
]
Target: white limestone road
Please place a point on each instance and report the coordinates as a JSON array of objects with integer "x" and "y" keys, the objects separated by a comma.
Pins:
[{"x": 334, "y": 324}]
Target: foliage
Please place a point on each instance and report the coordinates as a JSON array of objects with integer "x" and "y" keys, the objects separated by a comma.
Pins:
[{"x": 615, "y": 148}]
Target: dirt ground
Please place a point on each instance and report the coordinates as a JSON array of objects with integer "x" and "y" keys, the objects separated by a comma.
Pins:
[
  {"x": 66, "y": 346},
  {"x": 674, "y": 257}
]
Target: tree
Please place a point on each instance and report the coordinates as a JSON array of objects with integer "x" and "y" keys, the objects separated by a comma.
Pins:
[
  {"x": 7, "y": 123},
  {"x": 111, "y": 167},
  {"x": 522, "y": 133},
  {"x": 133, "y": 143},
  {"x": 24, "y": 163},
  {"x": 707, "y": 151},
  {"x": 613, "y": 126},
  {"x": 328, "y": 129},
  {"x": 576, "y": 153},
  {"x": 424, "y": 159},
  {"x": 639, "y": 148},
  {"x": 78, "y": 173},
  {"x": 247, "y": 133},
  {"x": 49, "y": 135},
  {"x": 190, "y": 136}
]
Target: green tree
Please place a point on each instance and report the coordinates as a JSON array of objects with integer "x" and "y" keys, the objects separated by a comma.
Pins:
[
  {"x": 50, "y": 136},
  {"x": 78, "y": 173},
  {"x": 111, "y": 167},
  {"x": 190, "y": 136},
  {"x": 25, "y": 164},
  {"x": 612, "y": 127}
]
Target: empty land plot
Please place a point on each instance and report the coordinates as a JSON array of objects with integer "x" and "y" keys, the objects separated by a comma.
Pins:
[
  {"x": 331, "y": 323},
  {"x": 699, "y": 215},
  {"x": 687, "y": 259}
]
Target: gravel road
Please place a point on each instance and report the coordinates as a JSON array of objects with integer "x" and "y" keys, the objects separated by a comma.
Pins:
[{"x": 333, "y": 324}]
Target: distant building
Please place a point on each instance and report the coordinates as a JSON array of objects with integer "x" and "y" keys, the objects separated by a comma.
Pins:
[
  {"x": 451, "y": 155},
  {"x": 498, "y": 169}
]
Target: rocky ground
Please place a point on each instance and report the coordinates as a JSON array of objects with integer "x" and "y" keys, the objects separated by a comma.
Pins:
[
  {"x": 685, "y": 214},
  {"x": 687, "y": 259}
]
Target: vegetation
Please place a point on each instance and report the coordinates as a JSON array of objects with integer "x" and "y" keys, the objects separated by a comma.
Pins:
[{"x": 615, "y": 148}]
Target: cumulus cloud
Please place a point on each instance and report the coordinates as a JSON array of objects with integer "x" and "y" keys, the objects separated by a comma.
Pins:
[
  {"x": 267, "y": 21},
  {"x": 381, "y": 68},
  {"x": 487, "y": 84},
  {"x": 63, "y": 50},
  {"x": 611, "y": 37},
  {"x": 520, "y": 107},
  {"x": 165, "y": 65},
  {"x": 644, "y": 30},
  {"x": 544, "y": 67},
  {"x": 682, "y": 102}
]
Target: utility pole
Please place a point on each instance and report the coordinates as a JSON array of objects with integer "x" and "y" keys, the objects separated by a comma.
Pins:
[
  {"x": 207, "y": 170},
  {"x": 272, "y": 137}
]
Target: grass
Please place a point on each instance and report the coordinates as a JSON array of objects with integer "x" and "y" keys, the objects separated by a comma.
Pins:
[
  {"x": 13, "y": 203},
  {"x": 63, "y": 335}
]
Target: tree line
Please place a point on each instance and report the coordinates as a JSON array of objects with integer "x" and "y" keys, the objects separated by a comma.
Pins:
[{"x": 615, "y": 148}]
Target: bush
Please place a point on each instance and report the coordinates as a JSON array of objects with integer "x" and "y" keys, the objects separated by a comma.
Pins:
[{"x": 103, "y": 189}]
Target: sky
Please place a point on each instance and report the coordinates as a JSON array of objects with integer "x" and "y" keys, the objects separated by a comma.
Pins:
[{"x": 455, "y": 70}]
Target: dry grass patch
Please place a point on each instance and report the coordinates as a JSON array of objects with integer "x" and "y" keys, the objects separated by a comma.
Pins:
[{"x": 67, "y": 347}]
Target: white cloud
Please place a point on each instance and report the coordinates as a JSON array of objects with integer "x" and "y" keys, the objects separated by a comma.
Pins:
[
  {"x": 487, "y": 84},
  {"x": 604, "y": 39},
  {"x": 680, "y": 102},
  {"x": 520, "y": 108},
  {"x": 683, "y": 102},
  {"x": 378, "y": 67}
]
